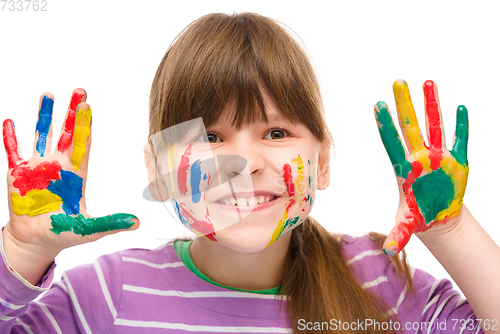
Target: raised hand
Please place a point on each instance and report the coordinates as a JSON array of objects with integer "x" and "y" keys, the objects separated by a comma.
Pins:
[
  {"x": 431, "y": 178},
  {"x": 47, "y": 192}
]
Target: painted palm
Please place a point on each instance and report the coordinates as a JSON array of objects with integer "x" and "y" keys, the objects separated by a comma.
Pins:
[
  {"x": 47, "y": 191},
  {"x": 431, "y": 178}
]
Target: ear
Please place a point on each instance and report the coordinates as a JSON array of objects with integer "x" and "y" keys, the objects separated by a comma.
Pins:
[
  {"x": 156, "y": 184},
  {"x": 323, "y": 172}
]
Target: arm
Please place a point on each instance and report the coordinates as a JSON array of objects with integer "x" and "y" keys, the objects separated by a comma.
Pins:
[
  {"x": 432, "y": 182},
  {"x": 472, "y": 259}
]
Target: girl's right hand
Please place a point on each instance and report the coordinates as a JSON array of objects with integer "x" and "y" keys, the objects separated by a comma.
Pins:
[{"x": 46, "y": 193}]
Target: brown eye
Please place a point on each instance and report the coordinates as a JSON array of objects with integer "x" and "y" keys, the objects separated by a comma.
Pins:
[
  {"x": 209, "y": 137},
  {"x": 276, "y": 134}
]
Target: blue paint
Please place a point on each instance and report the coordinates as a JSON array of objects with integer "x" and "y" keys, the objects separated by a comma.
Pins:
[
  {"x": 195, "y": 181},
  {"x": 69, "y": 188},
  {"x": 43, "y": 124},
  {"x": 205, "y": 177},
  {"x": 178, "y": 213}
]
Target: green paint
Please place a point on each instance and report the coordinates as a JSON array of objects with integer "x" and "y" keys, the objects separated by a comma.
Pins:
[
  {"x": 434, "y": 192},
  {"x": 392, "y": 143},
  {"x": 291, "y": 222},
  {"x": 86, "y": 226},
  {"x": 407, "y": 121},
  {"x": 309, "y": 181},
  {"x": 459, "y": 151}
]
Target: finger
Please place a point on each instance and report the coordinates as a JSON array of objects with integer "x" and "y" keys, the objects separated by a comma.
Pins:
[
  {"x": 81, "y": 137},
  {"x": 79, "y": 95},
  {"x": 398, "y": 238},
  {"x": 459, "y": 151},
  {"x": 407, "y": 118},
  {"x": 86, "y": 225},
  {"x": 43, "y": 134},
  {"x": 391, "y": 140},
  {"x": 10, "y": 143},
  {"x": 434, "y": 124}
]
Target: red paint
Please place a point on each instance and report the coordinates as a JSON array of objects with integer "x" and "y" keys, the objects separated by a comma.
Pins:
[
  {"x": 10, "y": 143},
  {"x": 305, "y": 199},
  {"x": 287, "y": 175},
  {"x": 434, "y": 119},
  {"x": 208, "y": 183},
  {"x": 417, "y": 221},
  {"x": 27, "y": 178},
  {"x": 290, "y": 203},
  {"x": 69, "y": 126},
  {"x": 416, "y": 170},
  {"x": 182, "y": 170},
  {"x": 205, "y": 228}
]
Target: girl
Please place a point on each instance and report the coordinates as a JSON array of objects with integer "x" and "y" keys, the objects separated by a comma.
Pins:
[{"x": 239, "y": 86}]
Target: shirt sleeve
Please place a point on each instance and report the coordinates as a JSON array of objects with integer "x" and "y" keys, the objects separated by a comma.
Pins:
[
  {"x": 433, "y": 306},
  {"x": 445, "y": 310},
  {"x": 84, "y": 301}
]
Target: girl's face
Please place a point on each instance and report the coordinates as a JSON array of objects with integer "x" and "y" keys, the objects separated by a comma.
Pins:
[{"x": 274, "y": 193}]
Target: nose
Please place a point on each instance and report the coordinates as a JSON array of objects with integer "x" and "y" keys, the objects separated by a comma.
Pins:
[{"x": 230, "y": 166}]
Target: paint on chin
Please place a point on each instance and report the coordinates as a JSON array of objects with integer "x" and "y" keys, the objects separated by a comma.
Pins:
[{"x": 201, "y": 227}]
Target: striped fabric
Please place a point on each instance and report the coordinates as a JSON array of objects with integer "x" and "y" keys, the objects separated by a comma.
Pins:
[{"x": 151, "y": 291}]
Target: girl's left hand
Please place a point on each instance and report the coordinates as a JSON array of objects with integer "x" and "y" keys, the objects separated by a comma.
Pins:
[{"x": 431, "y": 178}]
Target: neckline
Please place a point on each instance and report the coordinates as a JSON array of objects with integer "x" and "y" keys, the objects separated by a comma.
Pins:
[{"x": 182, "y": 249}]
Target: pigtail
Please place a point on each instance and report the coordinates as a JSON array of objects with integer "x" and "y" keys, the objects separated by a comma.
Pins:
[{"x": 319, "y": 285}]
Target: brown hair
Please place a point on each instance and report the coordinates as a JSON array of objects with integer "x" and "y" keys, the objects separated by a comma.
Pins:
[{"x": 221, "y": 59}]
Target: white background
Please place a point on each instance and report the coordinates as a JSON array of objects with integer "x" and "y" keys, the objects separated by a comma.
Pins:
[{"x": 359, "y": 48}]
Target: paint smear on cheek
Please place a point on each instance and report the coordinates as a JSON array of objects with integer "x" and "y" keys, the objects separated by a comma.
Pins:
[
  {"x": 287, "y": 175},
  {"x": 43, "y": 124},
  {"x": 39, "y": 177},
  {"x": 182, "y": 171},
  {"x": 300, "y": 174},
  {"x": 195, "y": 181}
]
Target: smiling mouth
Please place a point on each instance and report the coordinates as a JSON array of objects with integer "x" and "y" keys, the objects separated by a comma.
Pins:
[
  {"x": 244, "y": 204},
  {"x": 247, "y": 201}
]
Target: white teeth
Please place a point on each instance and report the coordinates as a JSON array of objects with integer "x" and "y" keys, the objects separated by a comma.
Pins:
[
  {"x": 251, "y": 201},
  {"x": 241, "y": 201}
]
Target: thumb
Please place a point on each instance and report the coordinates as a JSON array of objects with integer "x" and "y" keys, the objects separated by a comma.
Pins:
[
  {"x": 398, "y": 238},
  {"x": 88, "y": 225}
]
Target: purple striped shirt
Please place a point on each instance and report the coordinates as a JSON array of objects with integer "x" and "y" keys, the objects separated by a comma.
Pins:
[{"x": 152, "y": 291}]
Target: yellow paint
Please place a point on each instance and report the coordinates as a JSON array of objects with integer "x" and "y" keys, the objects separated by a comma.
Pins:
[
  {"x": 407, "y": 116},
  {"x": 35, "y": 202},
  {"x": 279, "y": 229},
  {"x": 458, "y": 173},
  {"x": 423, "y": 157},
  {"x": 300, "y": 167},
  {"x": 393, "y": 243},
  {"x": 171, "y": 165},
  {"x": 80, "y": 137}
]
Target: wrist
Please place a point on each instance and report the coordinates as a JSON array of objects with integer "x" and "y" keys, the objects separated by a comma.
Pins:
[
  {"x": 446, "y": 234},
  {"x": 29, "y": 261}
]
